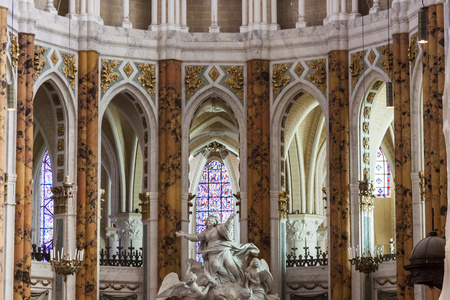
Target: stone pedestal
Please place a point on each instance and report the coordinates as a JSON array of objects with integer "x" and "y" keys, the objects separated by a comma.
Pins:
[
  {"x": 301, "y": 231},
  {"x": 129, "y": 229}
]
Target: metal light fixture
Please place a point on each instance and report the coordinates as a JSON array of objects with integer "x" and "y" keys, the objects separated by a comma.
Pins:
[
  {"x": 422, "y": 35},
  {"x": 389, "y": 94}
]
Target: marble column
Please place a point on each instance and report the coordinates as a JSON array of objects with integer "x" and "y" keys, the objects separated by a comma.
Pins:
[
  {"x": 169, "y": 177},
  {"x": 403, "y": 184},
  {"x": 126, "y": 14},
  {"x": 258, "y": 155},
  {"x": 24, "y": 167},
  {"x": 434, "y": 143},
  {"x": 87, "y": 173},
  {"x": 339, "y": 178},
  {"x": 3, "y": 101}
]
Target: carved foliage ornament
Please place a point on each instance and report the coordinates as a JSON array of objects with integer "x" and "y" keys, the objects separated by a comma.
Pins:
[
  {"x": 236, "y": 81},
  {"x": 214, "y": 74},
  {"x": 70, "y": 69},
  {"x": 107, "y": 74},
  {"x": 357, "y": 66},
  {"x": 148, "y": 79},
  {"x": 319, "y": 75},
  {"x": 39, "y": 62},
  {"x": 283, "y": 204},
  {"x": 192, "y": 79},
  {"x": 14, "y": 50},
  {"x": 413, "y": 50},
  {"x": 387, "y": 63},
  {"x": 279, "y": 78},
  {"x": 54, "y": 58}
]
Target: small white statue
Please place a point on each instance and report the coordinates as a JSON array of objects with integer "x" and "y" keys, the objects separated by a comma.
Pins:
[{"x": 222, "y": 273}]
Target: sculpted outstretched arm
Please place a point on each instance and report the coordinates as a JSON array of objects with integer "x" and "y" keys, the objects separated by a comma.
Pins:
[
  {"x": 191, "y": 237},
  {"x": 229, "y": 222}
]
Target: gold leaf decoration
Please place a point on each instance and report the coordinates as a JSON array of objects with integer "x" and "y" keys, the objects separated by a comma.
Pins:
[
  {"x": 54, "y": 58},
  {"x": 370, "y": 97},
  {"x": 387, "y": 63},
  {"x": 366, "y": 158},
  {"x": 192, "y": 79},
  {"x": 366, "y": 127},
  {"x": 70, "y": 69},
  {"x": 357, "y": 66},
  {"x": 236, "y": 81},
  {"x": 279, "y": 78},
  {"x": 148, "y": 79},
  {"x": 319, "y": 75},
  {"x": 128, "y": 69},
  {"x": 367, "y": 112},
  {"x": 413, "y": 50},
  {"x": 14, "y": 50},
  {"x": 366, "y": 143},
  {"x": 299, "y": 69},
  {"x": 39, "y": 62},
  {"x": 371, "y": 57},
  {"x": 107, "y": 74},
  {"x": 377, "y": 85},
  {"x": 214, "y": 74}
]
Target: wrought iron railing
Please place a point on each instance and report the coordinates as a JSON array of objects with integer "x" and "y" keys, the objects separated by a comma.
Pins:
[
  {"x": 306, "y": 260},
  {"x": 123, "y": 258},
  {"x": 389, "y": 257}
]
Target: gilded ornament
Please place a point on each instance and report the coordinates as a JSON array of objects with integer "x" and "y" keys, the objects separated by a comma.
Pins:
[
  {"x": 107, "y": 74},
  {"x": 192, "y": 79},
  {"x": 365, "y": 127},
  {"x": 60, "y": 160},
  {"x": 282, "y": 136},
  {"x": 128, "y": 69},
  {"x": 60, "y": 145},
  {"x": 60, "y": 129},
  {"x": 283, "y": 204},
  {"x": 299, "y": 69},
  {"x": 366, "y": 172},
  {"x": 357, "y": 66},
  {"x": 14, "y": 50},
  {"x": 148, "y": 79},
  {"x": 145, "y": 205},
  {"x": 282, "y": 150},
  {"x": 282, "y": 166},
  {"x": 319, "y": 75},
  {"x": 236, "y": 81},
  {"x": 55, "y": 98},
  {"x": 366, "y": 158},
  {"x": 279, "y": 78},
  {"x": 70, "y": 69},
  {"x": 371, "y": 57},
  {"x": 54, "y": 58},
  {"x": 283, "y": 122},
  {"x": 139, "y": 108},
  {"x": 60, "y": 175},
  {"x": 282, "y": 180},
  {"x": 377, "y": 85},
  {"x": 214, "y": 74},
  {"x": 367, "y": 112},
  {"x": 370, "y": 97},
  {"x": 59, "y": 114},
  {"x": 39, "y": 62},
  {"x": 366, "y": 143},
  {"x": 387, "y": 63},
  {"x": 413, "y": 50},
  {"x": 289, "y": 107}
]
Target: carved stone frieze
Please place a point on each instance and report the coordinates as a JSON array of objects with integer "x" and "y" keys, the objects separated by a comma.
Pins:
[
  {"x": 107, "y": 74},
  {"x": 192, "y": 79},
  {"x": 148, "y": 78},
  {"x": 319, "y": 75},
  {"x": 39, "y": 62},
  {"x": 279, "y": 78},
  {"x": 236, "y": 81},
  {"x": 70, "y": 69}
]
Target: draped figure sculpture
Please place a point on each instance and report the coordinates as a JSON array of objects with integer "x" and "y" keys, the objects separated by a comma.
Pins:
[
  {"x": 222, "y": 275},
  {"x": 222, "y": 257}
]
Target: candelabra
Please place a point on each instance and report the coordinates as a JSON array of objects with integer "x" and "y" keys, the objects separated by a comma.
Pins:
[
  {"x": 365, "y": 262},
  {"x": 65, "y": 264}
]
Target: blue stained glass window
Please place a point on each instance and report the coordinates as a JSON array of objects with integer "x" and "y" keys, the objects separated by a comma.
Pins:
[
  {"x": 214, "y": 197},
  {"x": 382, "y": 175},
  {"x": 47, "y": 209}
]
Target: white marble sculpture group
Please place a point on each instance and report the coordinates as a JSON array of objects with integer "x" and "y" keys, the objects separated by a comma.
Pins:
[{"x": 223, "y": 275}]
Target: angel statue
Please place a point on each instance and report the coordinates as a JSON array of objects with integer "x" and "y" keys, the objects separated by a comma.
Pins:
[
  {"x": 223, "y": 258},
  {"x": 259, "y": 280}
]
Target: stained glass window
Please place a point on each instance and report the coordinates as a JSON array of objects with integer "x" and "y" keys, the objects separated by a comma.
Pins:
[
  {"x": 46, "y": 213},
  {"x": 382, "y": 176},
  {"x": 214, "y": 197}
]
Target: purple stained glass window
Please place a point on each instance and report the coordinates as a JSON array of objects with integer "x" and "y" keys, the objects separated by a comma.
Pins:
[
  {"x": 214, "y": 197},
  {"x": 382, "y": 175},
  {"x": 47, "y": 209}
]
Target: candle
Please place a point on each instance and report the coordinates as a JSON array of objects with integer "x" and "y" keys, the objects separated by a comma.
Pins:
[
  {"x": 67, "y": 181},
  {"x": 51, "y": 254}
]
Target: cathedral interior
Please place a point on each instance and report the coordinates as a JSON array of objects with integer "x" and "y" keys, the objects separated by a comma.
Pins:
[{"x": 321, "y": 124}]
